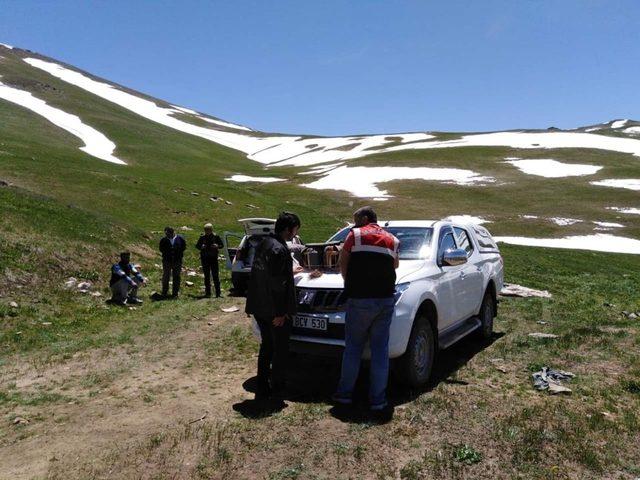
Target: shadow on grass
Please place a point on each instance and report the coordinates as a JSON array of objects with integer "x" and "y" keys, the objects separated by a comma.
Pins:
[{"x": 313, "y": 379}]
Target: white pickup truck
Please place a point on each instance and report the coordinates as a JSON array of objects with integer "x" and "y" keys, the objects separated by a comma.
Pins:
[{"x": 446, "y": 288}]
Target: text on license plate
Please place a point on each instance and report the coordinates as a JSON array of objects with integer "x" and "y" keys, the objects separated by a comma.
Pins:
[{"x": 313, "y": 323}]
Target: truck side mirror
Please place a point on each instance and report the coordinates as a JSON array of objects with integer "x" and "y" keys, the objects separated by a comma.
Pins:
[{"x": 453, "y": 257}]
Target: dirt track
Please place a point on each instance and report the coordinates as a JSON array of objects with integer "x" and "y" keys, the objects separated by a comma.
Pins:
[{"x": 116, "y": 395}]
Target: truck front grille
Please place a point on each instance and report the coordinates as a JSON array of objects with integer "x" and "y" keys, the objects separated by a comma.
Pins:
[{"x": 312, "y": 300}]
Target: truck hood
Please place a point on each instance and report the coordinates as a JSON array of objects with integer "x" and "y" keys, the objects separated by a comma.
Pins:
[{"x": 334, "y": 280}]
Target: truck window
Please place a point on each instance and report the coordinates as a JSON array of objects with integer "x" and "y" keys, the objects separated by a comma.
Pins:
[
  {"x": 448, "y": 243},
  {"x": 463, "y": 240}
]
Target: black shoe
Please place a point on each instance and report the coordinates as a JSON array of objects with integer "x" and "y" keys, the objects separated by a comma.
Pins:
[
  {"x": 207, "y": 295},
  {"x": 383, "y": 415},
  {"x": 134, "y": 301}
]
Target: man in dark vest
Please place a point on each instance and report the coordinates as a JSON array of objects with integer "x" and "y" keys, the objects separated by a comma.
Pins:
[
  {"x": 271, "y": 299},
  {"x": 209, "y": 245},
  {"x": 124, "y": 282},
  {"x": 172, "y": 247},
  {"x": 368, "y": 261}
]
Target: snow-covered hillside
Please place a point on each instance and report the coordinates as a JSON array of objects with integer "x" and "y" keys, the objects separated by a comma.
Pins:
[{"x": 333, "y": 163}]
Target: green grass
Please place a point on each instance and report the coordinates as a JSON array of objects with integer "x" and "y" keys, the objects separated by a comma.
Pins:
[{"x": 68, "y": 214}]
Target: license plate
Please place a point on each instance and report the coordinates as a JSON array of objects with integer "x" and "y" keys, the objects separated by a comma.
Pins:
[{"x": 312, "y": 323}]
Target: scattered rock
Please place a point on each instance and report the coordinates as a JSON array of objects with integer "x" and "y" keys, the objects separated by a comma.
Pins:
[
  {"x": 540, "y": 322},
  {"x": 513, "y": 290},
  {"x": 83, "y": 287},
  {"x": 214, "y": 199},
  {"x": 188, "y": 283},
  {"x": 607, "y": 304},
  {"x": 96, "y": 294},
  {"x": 195, "y": 194},
  {"x": 542, "y": 335},
  {"x": 632, "y": 316},
  {"x": 20, "y": 421},
  {"x": 209, "y": 323},
  {"x": 46, "y": 324},
  {"x": 70, "y": 282},
  {"x": 184, "y": 228},
  {"x": 13, "y": 304},
  {"x": 157, "y": 266},
  {"x": 251, "y": 206},
  {"x": 228, "y": 202},
  {"x": 192, "y": 273},
  {"x": 230, "y": 309},
  {"x": 608, "y": 415}
]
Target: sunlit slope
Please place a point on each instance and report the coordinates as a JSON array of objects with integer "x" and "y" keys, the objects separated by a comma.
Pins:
[{"x": 171, "y": 151}]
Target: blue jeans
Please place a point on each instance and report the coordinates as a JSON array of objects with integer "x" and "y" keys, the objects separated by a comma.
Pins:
[{"x": 367, "y": 319}]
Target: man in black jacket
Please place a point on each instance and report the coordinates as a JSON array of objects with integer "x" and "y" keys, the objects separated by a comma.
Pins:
[
  {"x": 271, "y": 299},
  {"x": 172, "y": 247},
  {"x": 209, "y": 245}
]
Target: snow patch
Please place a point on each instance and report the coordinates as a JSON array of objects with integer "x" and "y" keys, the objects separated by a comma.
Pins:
[
  {"x": 313, "y": 151},
  {"x": 528, "y": 140},
  {"x": 247, "y": 178},
  {"x": 549, "y": 168},
  {"x": 95, "y": 143},
  {"x": 222, "y": 123},
  {"x": 632, "y": 130},
  {"x": 628, "y": 183},
  {"x": 6, "y": 46},
  {"x": 632, "y": 211},
  {"x": 362, "y": 181},
  {"x": 619, "y": 123},
  {"x": 598, "y": 242},
  {"x": 563, "y": 222},
  {"x": 609, "y": 224},
  {"x": 186, "y": 110}
]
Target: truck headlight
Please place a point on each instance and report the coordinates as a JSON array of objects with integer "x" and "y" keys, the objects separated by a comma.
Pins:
[{"x": 400, "y": 289}]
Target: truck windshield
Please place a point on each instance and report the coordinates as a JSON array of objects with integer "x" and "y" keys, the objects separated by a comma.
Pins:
[{"x": 415, "y": 242}]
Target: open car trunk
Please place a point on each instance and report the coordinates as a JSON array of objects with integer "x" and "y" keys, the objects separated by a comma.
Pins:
[{"x": 253, "y": 227}]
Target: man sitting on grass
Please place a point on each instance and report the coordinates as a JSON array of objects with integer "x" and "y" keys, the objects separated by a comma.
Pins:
[{"x": 125, "y": 280}]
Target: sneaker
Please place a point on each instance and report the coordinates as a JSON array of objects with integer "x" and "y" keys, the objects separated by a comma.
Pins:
[{"x": 134, "y": 301}]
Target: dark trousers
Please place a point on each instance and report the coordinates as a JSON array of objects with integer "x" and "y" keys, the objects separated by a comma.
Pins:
[
  {"x": 210, "y": 269},
  {"x": 273, "y": 356},
  {"x": 171, "y": 269}
]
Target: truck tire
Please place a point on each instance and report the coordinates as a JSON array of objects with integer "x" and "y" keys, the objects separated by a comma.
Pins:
[
  {"x": 414, "y": 367},
  {"x": 486, "y": 316}
]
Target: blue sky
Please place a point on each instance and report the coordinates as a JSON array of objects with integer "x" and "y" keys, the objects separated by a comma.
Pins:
[{"x": 345, "y": 67}]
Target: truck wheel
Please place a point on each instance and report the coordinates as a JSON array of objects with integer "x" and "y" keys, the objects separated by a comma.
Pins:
[
  {"x": 414, "y": 367},
  {"x": 486, "y": 317}
]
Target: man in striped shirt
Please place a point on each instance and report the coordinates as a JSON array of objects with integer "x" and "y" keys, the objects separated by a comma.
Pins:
[{"x": 368, "y": 261}]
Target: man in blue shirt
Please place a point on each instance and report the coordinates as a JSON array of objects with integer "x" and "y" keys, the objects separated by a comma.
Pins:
[{"x": 125, "y": 280}]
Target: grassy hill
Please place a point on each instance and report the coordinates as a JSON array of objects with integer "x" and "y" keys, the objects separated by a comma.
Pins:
[{"x": 66, "y": 213}]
